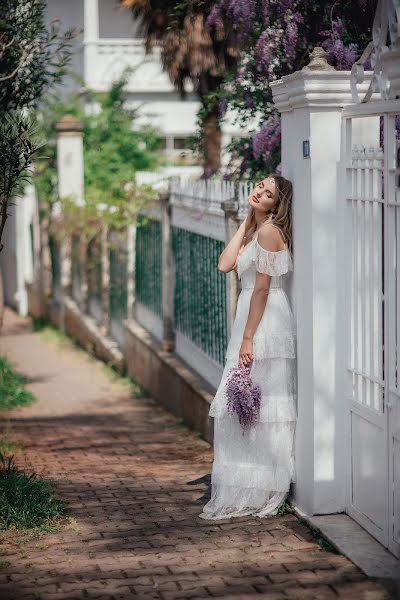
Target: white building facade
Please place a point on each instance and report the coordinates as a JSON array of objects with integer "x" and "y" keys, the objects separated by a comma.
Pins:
[{"x": 110, "y": 42}]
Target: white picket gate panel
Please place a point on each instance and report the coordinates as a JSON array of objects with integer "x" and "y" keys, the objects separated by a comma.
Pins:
[
  {"x": 372, "y": 181},
  {"x": 372, "y": 321}
]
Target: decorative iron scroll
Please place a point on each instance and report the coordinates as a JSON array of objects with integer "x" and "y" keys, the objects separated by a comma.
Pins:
[{"x": 384, "y": 52}]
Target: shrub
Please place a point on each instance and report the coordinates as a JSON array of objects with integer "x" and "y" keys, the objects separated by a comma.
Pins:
[{"x": 12, "y": 388}]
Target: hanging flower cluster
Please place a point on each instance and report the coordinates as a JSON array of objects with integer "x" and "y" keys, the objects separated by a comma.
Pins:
[
  {"x": 243, "y": 397},
  {"x": 267, "y": 139},
  {"x": 341, "y": 55}
]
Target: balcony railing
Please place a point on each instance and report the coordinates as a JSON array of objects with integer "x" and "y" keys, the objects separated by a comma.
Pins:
[{"x": 106, "y": 59}]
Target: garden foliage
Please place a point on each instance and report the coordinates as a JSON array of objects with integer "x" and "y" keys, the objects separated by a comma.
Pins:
[
  {"x": 276, "y": 39},
  {"x": 114, "y": 149}
]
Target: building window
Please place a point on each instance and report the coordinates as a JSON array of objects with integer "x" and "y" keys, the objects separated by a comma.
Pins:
[{"x": 182, "y": 143}]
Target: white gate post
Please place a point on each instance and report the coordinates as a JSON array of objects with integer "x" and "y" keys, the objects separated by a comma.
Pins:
[
  {"x": 70, "y": 184},
  {"x": 311, "y": 102},
  {"x": 70, "y": 159}
]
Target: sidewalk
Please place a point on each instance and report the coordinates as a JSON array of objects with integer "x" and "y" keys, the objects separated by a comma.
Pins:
[{"x": 135, "y": 482}]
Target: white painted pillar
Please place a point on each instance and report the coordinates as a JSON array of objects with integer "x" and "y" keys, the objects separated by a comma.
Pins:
[
  {"x": 70, "y": 159},
  {"x": 70, "y": 184},
  {"x": 311, "y": 102},
  {"x": 90, "y": 40}
]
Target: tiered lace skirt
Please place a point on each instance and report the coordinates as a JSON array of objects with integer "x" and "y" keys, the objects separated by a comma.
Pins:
[{"x": 253, "y": 468}]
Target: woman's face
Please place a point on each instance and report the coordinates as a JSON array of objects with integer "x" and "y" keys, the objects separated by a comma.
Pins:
[{"x": 264, "y": 196}]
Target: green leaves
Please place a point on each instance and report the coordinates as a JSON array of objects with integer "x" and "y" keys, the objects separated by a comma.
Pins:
[
  {"x": 35, "y": 53},
  {"x": 18, "y": 143}
]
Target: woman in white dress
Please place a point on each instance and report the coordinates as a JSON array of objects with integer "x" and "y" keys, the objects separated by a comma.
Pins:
[{"x": 253, "y": 467}]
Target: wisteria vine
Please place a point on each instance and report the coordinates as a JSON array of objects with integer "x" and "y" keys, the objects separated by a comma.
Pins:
[{"x": 276, "y": 37}]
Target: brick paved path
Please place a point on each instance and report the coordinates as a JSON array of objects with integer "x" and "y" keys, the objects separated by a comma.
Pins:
[{"x": 135, "y": 483}]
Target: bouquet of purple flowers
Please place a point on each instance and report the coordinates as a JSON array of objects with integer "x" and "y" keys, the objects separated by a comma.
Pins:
[{"x": 243, "y": 397}]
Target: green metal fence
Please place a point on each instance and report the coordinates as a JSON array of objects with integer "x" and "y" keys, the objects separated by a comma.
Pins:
[
  {"x": 118, "y": 280},
  {"x": 55, "y": 261},
  {"x": 148, "y": 264},
  {"x": 200, "y": 292},
  {"x": 94, "y": 277},
  {"x": 76, "y": 277}
]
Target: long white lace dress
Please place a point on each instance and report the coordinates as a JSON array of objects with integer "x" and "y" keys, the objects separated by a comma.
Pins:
[{"x": 252, "y": 471}]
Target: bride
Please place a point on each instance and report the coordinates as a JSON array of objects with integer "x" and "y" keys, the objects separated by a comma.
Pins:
[{"x": 253, "y": 468}]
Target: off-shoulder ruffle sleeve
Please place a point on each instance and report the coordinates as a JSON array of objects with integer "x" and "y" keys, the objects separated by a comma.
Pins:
[{"x": 273, "y": 263}]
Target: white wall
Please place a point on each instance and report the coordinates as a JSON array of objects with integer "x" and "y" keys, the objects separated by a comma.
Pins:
[
  {"x": 115, "y": 21},
  {"x": 71, "y": 16},
  {"x": 16, "y": 259}
]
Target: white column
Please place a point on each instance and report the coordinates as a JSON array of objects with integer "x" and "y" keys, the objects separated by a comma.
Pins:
[
  {"x": 70, "y": 159},
  {"x": 311, "y": 102},
  {"x": 90, "y": 40}
]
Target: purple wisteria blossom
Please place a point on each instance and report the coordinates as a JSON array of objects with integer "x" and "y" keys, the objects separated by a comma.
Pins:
[
  {"x": 268, "y": 138},
  {"x": 263, "y": 53},
  {"x": 243, "y": 396},
  {"x": 340, "y": 55},
  {"x": 284, "y": 6},
  {"x": 273, "y": 43},
  {"x": 265, "y": 7},
  {"x": 249, "y": 101},
  {"x": 240, "y": 13},
  {"x": 291, "y": 38},
  {"x": 214, "y": 20},
  {"x": 223, "y": 106}
]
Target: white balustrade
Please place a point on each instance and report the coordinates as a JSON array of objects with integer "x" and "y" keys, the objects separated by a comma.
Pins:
[{"x": 196, "y": 205}]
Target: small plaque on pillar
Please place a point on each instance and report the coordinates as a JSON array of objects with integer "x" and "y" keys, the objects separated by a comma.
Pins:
[{"x": 306, "y": 148}]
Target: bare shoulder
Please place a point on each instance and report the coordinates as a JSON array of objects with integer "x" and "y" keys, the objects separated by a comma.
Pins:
[{"x": 269, "y": 238}]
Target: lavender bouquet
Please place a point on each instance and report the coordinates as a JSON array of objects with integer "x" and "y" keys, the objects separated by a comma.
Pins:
[{"x": 243, "y": 397}]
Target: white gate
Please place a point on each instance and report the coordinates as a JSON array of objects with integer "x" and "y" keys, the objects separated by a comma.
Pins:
[
  {"x": 373, "y": 324},
  {"x": 371, "y": 160}
]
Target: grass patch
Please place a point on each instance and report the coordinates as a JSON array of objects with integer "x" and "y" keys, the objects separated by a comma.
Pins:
[
  {"x": 26, "y": 501},
  {"x": 52, "y": 334},
  {"x": 8, "y": 446},
  {"x": 38, "y": 324},
  {"x": 12, "y": 388},
  {"x": 134, "y": 388}
]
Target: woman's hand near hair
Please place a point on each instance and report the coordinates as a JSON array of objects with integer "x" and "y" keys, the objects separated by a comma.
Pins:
[{"x": 228, "y": 258}]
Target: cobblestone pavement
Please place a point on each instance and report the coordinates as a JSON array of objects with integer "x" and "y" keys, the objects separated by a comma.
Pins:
[{"x": 135, "y": 481}]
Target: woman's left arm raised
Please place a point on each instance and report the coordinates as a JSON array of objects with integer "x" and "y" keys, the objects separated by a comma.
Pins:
[{"x": 269, "y": 239}]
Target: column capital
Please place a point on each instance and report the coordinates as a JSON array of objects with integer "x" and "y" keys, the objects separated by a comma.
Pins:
[
  {"x": 314, "y": 88},
  {"x": 68, "y": 125}
]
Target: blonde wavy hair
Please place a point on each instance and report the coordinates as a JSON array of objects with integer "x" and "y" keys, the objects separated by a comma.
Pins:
[{"x": 281, "y": 215}]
